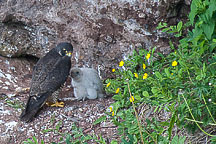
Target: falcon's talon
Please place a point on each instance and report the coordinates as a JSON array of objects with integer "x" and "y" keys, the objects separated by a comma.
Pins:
[
  {"x": 58, "y": 104},
  {"x": 49, "y": 103},
  {"x": 26, "y": 89},
  {"x": 22, "y": 90}
]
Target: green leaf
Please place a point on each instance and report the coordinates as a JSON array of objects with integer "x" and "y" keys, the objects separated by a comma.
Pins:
[
  {"x": 141, "y": 52},
  {"x": 117, "y": 97},
  {"x": 30, "y": 141},
  {"x": 171, "y": 45},
  {"x": 180, "y": 72},
  {"x": 182, "y": 63},
  {"x": 137, "y": 97},
  {"x": 35, "y": 139},
  {"x": 145, "y": 94},
  {"x": 212, "y": 8},
  {"x": 155, "y": 110},
  {"x": 130, "y": 73},
  {"x": 154, "y": 90},
  {"x": 158, "y": 75},
  {"x": 161, "y": 25},
  {"x": 172, "y": 121},
  {"x": 208, "y": 28},
  {"x": 164, "y": 123},
  {"x": 167, "y": 72},
  {"x": 160, "y": 108},
  {"x": 99, "y": 120},
  {"x": 214, "y": 40},
  {"x": 181, "y": 140},
  {"x": 199, "y": 77},
  {"x": 175, "y": 140},
  {"x": 213, "y": 139},
  {"x": 204, "y": 67},
  {"x": 153, "y": 50},
  {"x": 160, "y": 54},
  {"x": 193, "y": 11},
  {"x": 68, "y": 138},
  {"x": 177, "y": 35},
  {"x": 47, "y": 130},
  {"x": 114, "y": 142},
  {"x": 166, "y": 29},
  {"x": 179, "y": 26}
]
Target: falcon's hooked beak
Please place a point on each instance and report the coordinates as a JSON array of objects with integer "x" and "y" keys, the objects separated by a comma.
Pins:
[{"x": 68, "y": 53}]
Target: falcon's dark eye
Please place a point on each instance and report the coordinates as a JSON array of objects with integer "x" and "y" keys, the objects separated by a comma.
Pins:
[{"x": 64, "y": 50}]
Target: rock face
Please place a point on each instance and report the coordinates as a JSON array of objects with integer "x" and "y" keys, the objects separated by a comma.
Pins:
[
  {"x": 102, "y": 33},
  {"x": 14, "y": 74}
]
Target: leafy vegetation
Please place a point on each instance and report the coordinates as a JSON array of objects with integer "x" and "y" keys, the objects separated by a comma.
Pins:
[
  {"x": 75, "y": 137},
  {"x": 182, "y": 84}
]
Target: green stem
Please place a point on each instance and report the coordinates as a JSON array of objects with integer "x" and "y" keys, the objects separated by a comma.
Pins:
[
  {"x": 208, "y": 109},
  {"x": 194, "y": 118},
  {"x": 199, "y": 121},
  {"x": 212, "y": 64},
  {"x": 189, "y": 76},
  {"x": 140, "y": 128}
]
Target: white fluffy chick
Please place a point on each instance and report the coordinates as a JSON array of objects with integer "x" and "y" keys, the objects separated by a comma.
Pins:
[{"x": 86, "y": 83}]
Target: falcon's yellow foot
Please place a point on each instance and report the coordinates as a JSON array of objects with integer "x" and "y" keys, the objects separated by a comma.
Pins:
[
  {"x": 26, "y": 89},
  {"x": 57, "y": 104},
  {"x": 22, "y": 90}
]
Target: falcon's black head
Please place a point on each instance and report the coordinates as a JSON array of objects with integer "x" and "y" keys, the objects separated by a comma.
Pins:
[
  {"x": 76, "y": 73},
  {"x": 64, "y": 49}
]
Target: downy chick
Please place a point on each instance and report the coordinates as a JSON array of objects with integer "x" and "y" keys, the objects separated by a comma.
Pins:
[{"x": 86, "y": 83}]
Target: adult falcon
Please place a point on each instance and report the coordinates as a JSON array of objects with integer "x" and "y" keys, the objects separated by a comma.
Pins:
[{"x": 49, "y": 74}]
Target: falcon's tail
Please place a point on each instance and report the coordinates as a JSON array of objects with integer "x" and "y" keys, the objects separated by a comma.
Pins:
[{"x": 32, "y": 107}]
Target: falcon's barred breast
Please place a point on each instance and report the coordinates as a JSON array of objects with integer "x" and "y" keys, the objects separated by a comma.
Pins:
[{"x": 49, "y": 74}]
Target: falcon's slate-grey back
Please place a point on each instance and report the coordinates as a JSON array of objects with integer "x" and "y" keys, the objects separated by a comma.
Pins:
[{"x": 49, "y": 74}]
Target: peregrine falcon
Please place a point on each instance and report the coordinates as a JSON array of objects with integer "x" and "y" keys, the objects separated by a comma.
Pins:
[
  {"x": 86, "y": 83},
  {"x": 49, "y": 74}
]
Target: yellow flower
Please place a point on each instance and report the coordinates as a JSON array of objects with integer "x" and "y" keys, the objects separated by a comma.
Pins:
[
  {"x": 113, "y": 70},
  {"x": 113, "y": 113},
  {"x": 148, "y": 56},
  {"x": 171, "y": 73},
  {"x": 131, "y": 99},
  {"x": 145, "y": 76},
  {"x": 117, "y": 90},
  {"x": 108, "y": 84},
  {"x": 136, "y": 75},
  {"x": 111, "y": 108},
  {"x": 121, "y": 63},
  {"x": 144, "y": 66},
  {"x": 174, "y": 63}
]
